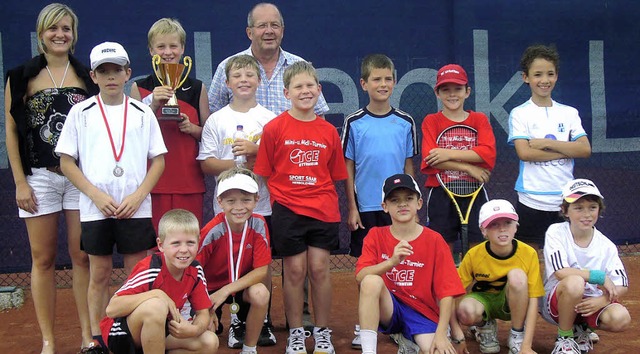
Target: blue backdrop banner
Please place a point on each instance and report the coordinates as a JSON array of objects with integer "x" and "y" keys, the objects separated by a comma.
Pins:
[{"x": 597, "y": 42}]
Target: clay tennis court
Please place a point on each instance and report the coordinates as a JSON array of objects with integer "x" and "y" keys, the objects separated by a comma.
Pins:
[{"x": 19, "y": 332}]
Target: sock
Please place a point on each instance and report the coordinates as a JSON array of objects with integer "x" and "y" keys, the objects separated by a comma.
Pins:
[
  {"x": 565, "y": 334},
  {"x": 248, "y": 349},
  {"x": 98, "y": 338},
  {"x": 369, "y": 340},
  {"x": 517, "y": 330},
  {"x": 292, "y": 330}
]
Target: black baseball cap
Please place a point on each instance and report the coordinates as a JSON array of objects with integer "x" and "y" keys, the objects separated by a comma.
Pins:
[{"x": 400, "y": 180}]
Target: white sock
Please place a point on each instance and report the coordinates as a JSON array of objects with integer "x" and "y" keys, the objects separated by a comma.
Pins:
[
  {"x": 369, "y": 340},
  {"x": 246, "y": 348},
  {"x": 234, "y": 317}
]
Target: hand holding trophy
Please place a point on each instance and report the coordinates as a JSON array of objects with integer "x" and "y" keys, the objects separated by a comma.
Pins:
[{"x": 170, "y": 74}]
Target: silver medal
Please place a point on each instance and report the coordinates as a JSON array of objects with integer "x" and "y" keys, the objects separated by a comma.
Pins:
[{"x": 118, "y": 171}]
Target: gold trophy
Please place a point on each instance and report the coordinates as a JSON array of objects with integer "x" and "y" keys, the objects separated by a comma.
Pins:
[{"x": 169, "y": 74}]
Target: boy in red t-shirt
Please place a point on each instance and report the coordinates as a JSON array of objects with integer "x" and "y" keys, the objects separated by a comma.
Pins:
[
  {"x": 144, "y": 314},
  {"x": 236, "y": 271},
  {"x": 301, "y": 155},
  {"x": 407, "y": 277},
  {"x": 452, "y": 89}
]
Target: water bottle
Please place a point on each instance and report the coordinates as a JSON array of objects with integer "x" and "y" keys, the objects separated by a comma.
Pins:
[{"x": 239, "y": 134}]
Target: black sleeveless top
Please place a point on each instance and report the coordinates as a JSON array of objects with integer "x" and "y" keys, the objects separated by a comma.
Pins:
[{"x": 46, "y": 112}]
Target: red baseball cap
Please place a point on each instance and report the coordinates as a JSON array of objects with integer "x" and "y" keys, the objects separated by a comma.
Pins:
[{"x": 451, "y": 74}]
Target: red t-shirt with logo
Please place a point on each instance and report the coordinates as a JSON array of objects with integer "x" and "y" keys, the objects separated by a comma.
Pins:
[
  {"x": 302, "y": 160},
  {"x": 423, "y": 278}
]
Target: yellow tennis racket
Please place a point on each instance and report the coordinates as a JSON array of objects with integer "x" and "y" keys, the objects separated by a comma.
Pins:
[{"x": 459, "y": 184}]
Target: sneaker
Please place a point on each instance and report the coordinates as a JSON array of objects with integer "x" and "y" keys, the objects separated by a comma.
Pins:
[
  {"x": 249, "y": 352},
  {"x": 581, "y": 336},
  {"x": 267, "y": 338},
  {"x": 395, "y": 337},
  {"x": 93, "y": 348},
  {"x": 515, "y": 342},
  {"x": 406, "y": 346},
  {"x": 356, "y": 343},
  {"x": 236, "y": 334},
  {"x": 487, "y": 336},
  {"x": 295, "y": 342},
  {"x": 566, "y": 346},
  {"x": 593, "y": 336},
  {"x": 471, "y": 332},
  {"x": 322, "y": 337}
]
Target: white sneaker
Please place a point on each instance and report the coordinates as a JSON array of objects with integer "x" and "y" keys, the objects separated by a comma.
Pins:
[
  {"x": 296, "y": 342},
  {"x": 515, "y": 341},
  {"x": 566, "y": 346},
  {"x": 322, "y": 337},
  {"x": 487, "y": 336},
  {"x": 582, "y": 338},
  {"x": 356, "y": 343}
]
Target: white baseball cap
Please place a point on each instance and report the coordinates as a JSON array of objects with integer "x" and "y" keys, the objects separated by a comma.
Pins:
[
  {"x": 578, "y": 188},
  {"x": 238, "y": 181},
  {"x": 108, "y": 52},
  {"x": 494, "y": 209}
]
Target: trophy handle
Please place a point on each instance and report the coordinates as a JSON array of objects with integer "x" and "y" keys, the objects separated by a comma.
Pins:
[
  {"x": 188, "y": 64},
  {"x": 155, "y": 63}
]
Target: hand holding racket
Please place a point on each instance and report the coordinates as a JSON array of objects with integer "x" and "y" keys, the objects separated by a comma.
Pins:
[{"x": 459, "y": 184}]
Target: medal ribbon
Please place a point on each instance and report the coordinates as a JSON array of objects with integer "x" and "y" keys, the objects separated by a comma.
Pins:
[
  {"x": 124, "y": 127},
  {"x": 234, "y": 269}
]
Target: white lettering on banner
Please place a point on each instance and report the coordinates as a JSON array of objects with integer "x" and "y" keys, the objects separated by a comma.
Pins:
[
  {"x": 599, "y": 140},
  {"x": 348, "y": 88}
]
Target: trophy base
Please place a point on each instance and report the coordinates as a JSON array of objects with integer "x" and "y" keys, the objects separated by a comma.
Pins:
[{"x": 170, "y": 113}]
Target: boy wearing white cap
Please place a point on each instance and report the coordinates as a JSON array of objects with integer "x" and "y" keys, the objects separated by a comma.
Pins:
[
  {"x": 502, "y": 277},
  {"x": 104, "y": 146},
  {"x": 584, "y": 274},
  {"x": 235, "y": 254}
]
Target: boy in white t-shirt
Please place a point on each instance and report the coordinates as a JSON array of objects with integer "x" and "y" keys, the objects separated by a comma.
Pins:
[
  {"x": 104, "y": 146},
  {"x": 218, "y": 149},
  {"x": 584, "y": 275},
  {"x": 547, "y": 136}
]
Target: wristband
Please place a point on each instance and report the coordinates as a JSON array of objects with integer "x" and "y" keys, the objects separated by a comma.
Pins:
[
  {"x": 597, "y": 277},
  {"x": 457, "y": 341}
]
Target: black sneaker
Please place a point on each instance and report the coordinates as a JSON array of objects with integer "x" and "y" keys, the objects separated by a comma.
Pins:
[
  {"x": 93, "y": 348},
  {"x": 236, "y": 335},
  {"x": 267, "y": 338}
]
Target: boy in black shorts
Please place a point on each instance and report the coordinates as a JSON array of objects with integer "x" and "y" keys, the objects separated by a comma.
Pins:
[{"x": 115, "y": 205}]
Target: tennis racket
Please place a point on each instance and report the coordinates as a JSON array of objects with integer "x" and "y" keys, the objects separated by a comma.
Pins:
[{"x": 459, "y": 184}]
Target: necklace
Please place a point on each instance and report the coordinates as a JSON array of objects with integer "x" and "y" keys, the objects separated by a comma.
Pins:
[
  {"x": 117, "y": 171},
  {"x": 64, "y": 76}
]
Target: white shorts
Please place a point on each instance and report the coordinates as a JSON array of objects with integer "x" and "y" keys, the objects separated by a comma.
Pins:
[{"x": 53, "y": 193}]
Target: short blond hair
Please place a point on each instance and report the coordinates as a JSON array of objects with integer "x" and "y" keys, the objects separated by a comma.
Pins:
[
  {"x": 166, "y": 26},
  {"x": 178, "y": 220},
  {"x": 50, "y": 15},
  {"x": 236, "y": 171},
  {"x": 297, "y": 68},
  {"x": 242, "y": 61}
]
